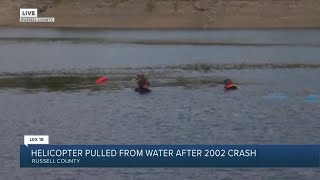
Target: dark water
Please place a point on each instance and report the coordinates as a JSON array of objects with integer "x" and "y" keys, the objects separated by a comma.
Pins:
[{"x": 47, "y": 87}]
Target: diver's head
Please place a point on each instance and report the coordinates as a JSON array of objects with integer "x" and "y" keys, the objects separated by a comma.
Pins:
[
  {"x": 227, "y": 81},
  {"x": 140, "y": 76}
]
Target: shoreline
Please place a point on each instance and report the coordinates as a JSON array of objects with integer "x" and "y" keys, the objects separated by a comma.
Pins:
[
  {"x": 166, "y": 15},
  {"x": 156, "y": 28}
]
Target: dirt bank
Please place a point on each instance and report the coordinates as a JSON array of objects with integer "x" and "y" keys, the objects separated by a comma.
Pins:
[{"x": 167, "y": 13}]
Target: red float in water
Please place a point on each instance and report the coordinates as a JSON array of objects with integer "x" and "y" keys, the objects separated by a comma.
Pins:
[{"x": 101, "y": 80}]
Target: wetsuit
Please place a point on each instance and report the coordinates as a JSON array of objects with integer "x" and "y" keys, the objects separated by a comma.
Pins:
[{"x": 141, "y": 89}]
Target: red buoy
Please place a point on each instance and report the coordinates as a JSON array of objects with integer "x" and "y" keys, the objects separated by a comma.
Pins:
[{"x": 101, "y": 80}]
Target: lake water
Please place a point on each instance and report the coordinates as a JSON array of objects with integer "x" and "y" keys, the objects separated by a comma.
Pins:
[{"x": 47, "y": 86}]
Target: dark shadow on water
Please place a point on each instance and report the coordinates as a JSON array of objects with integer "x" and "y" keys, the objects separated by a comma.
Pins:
[
  {"x": 188, "y": 76},
  {"x": 71, "y": 83}
]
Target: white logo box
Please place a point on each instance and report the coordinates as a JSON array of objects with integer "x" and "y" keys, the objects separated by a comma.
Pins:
[{"x": 28, "y": 12}]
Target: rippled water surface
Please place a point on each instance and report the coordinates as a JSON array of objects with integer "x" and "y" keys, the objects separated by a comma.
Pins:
[{"x": 47, "y": 86}]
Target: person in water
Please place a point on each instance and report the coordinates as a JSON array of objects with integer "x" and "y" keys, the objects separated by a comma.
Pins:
[
  {"x": 229, "y": 85},
  {"x": 143, "y": 84}
]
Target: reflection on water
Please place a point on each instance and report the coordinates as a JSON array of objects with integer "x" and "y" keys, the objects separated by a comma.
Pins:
[
  {"x": 49, "y": 88},
  {"x": 69, "y": 49},
  {"x": 286, "y": 36}
]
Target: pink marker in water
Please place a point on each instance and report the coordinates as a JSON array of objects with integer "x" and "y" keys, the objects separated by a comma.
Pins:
[{"x": 101, "y": 80}]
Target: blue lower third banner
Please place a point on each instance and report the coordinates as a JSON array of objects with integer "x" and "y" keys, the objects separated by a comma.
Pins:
[{"x": 169, "y": 156}]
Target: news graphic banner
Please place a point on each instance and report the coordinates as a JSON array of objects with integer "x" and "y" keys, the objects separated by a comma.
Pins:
[
  {"x": 45, "y": 155},
  {"x": 31, "y": 15}
]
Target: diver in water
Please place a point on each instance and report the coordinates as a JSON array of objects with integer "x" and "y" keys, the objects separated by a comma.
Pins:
[
  {"x": 143, "y": 84},
  {"x": 229, "y": 85}
]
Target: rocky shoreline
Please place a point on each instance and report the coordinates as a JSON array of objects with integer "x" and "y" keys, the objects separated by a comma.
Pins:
[{"x": 167, "y": 14}]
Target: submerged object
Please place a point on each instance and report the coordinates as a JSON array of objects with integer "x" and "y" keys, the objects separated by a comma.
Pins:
[
  {"x": 275, "y": 97},
  {"x": 312, "y": 98},
  {"x": 142, "y": 90},
  {"x": 102, "y": 79}
]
